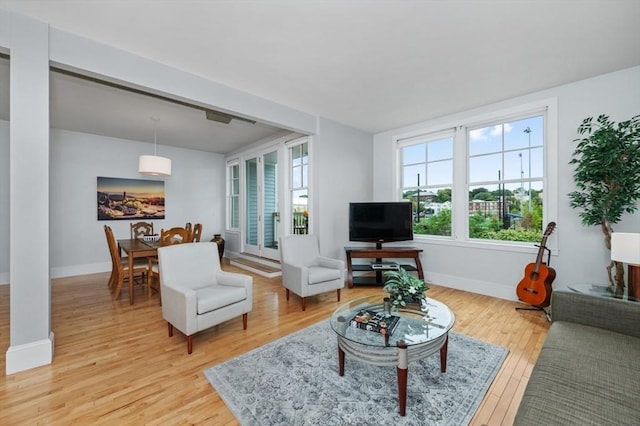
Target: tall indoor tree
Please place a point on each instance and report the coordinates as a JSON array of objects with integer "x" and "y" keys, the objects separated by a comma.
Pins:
[{"x": 607, "y": 177}]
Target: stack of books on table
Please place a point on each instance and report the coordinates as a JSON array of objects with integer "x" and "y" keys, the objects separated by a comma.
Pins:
[{"x": 375, "y": 321}]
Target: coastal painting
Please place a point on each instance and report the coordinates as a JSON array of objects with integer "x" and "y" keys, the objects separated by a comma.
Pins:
[{"x": 129, "y": 199}]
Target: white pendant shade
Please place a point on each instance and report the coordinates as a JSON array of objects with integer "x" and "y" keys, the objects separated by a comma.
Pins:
[
  {"x": 625, "y": 247},
  {"x": 154, "y": 166}
]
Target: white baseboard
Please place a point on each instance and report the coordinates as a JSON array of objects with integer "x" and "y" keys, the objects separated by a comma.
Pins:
[
  {"x": 68, "y": 271},
  {"x": 474, "y": 286},
  {"x": 72, "y": 271},
  {"x": 30, "y": 355}
]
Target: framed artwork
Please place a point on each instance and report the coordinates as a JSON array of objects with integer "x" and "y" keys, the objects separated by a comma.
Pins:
[{"x": 127, "y": 199}]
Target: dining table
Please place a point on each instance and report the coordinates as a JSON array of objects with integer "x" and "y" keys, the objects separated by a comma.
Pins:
[{"x": 136, "y": 248}]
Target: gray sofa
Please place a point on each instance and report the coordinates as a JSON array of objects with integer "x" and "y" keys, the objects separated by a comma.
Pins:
[{"x": 588, "y": 372}]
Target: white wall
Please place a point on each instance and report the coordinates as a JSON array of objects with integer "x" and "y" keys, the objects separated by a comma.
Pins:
[
  {"x": 4, "y": 202},
  {"x": 582, "y": 256},
  {"x": 194, "y": 193},
  {"x": 342, "y": 171}
]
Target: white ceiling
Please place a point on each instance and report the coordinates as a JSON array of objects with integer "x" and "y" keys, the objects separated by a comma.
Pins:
[{"x": 370, "y": 64}]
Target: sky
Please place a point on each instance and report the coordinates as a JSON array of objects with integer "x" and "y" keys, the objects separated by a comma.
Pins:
[{"x": 512, "y": 150}]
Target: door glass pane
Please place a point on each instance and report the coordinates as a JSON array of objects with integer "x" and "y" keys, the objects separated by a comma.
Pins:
[
  {"x": 300, "y": 212},
  {"x": 251, "y": 171},
  {"x": 299, "y": 190},
  {"x": 270, "y": 200}
]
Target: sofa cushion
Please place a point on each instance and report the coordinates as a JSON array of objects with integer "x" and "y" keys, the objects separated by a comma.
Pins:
[
  {"x": 320, "y": 274},
  {"x": 615, "y": 348},
  {"x": 583, "y": 376},
  {"x": 218, "y": 296}
]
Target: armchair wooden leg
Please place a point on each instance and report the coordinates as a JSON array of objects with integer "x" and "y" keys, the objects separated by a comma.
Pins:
[
  {"x": 170, "y": 329},
  {"x": 190, "y": 344},
  {"x": 304, "y": 305},
  {"x": 244, "y": 320},
  {"x": 286, "y": 292},
  {"x": 338, "y": 295}
]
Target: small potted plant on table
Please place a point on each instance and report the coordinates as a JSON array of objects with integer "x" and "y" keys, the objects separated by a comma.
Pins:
[{"x": 404, "y": 288}]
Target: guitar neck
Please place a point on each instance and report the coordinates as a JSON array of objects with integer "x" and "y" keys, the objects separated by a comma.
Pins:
[
  {"x": 540, "y": 254},
  {"x": 543, "y": 245}
]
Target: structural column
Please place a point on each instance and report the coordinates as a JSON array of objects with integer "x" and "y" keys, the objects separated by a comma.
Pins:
[{"x": 31, "y": 338}]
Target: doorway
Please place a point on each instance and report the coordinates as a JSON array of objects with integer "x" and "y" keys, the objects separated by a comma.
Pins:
[{"x": 262, "y": 219}]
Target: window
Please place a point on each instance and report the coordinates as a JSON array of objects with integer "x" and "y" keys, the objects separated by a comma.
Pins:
[
  {"x": 299, "y": 186},
  {"x": 427, "y": 176},
  {"x": 505, "y": 164},
  {"x": 483, "y": 181},
  {"x": 233, "y": 195}
]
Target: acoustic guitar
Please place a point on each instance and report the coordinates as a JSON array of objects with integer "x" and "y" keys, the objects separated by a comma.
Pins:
[{"x": 535, "y": 287}]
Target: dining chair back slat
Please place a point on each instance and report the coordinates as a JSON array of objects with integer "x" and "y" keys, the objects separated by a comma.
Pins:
[
  {"x": 140, "y": 229},
  {"x": 196, "y": 234},
  {"x": 189, "y": 229}
]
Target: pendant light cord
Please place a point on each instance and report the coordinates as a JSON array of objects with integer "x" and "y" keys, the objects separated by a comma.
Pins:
[{"x": 155, "y": 133}]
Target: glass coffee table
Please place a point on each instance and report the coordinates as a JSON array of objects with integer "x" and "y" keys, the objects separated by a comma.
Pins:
[{"x": 418, "y": 334}]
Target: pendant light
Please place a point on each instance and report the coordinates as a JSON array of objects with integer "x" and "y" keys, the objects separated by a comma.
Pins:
[{"x": 153, "y": 165}]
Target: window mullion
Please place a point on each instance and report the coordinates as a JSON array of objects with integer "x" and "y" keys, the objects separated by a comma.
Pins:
[{"x": 460, "y": 189}]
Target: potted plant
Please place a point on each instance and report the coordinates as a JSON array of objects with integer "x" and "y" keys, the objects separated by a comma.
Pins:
[
  {"x": 607, "y": 176},
  {"x": 403, "y": 287}
]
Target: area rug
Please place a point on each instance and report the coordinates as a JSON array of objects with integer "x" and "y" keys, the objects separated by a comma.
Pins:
[{"x": 295, "y": 381}]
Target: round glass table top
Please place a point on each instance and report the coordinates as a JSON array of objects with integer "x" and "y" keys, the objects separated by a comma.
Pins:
[{"x": 413, "y": 326}]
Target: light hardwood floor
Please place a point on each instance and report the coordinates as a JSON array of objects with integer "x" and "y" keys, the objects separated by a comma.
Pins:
[{"x": 115, "y": 364}]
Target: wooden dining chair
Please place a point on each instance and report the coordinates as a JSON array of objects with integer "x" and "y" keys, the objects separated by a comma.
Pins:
[
  {"x": 175, "y": 235},
  {"x": 140, "y": 229},
  {"x": 120, "y": 268},
  {"x": 196, "y": 234},
  {"x": 189, "y": 229}
]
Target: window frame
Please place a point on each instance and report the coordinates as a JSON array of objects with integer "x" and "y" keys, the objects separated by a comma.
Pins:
[
  {"x": 231, "y": 195},
  {"x": 426, "y": 139},
  {"x": 290, "y": 189},
  {"x": 460, "y": 187}
]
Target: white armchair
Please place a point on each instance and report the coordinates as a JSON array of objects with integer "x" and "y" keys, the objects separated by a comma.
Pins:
[
  {"x": 196, "y": 294},
  {"x": 304, "y": 271}
]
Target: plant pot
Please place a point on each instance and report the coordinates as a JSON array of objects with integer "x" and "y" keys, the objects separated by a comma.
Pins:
[{"x": 412, "y": 304}]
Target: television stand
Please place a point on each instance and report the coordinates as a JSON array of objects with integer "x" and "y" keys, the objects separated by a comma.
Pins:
[{"x": 367, "y": 275}]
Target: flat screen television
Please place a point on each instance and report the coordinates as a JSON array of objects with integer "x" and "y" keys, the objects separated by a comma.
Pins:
[{"x": 381, "y": 222}]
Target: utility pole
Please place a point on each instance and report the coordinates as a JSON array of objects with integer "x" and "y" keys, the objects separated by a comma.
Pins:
[
  {"x": 418, "y": 201},
  {"x": 521, "y": 181}
]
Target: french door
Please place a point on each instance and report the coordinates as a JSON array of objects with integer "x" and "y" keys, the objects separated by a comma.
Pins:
[{"x": 262, "y": 216}]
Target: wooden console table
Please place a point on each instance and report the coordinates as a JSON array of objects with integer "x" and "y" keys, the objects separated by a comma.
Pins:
[{"x": 379, "y": 254}]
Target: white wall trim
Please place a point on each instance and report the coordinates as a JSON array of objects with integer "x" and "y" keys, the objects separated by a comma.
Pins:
[
  {"x": 30, "y": 355},
  {"x": 73, "y": 270}
]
